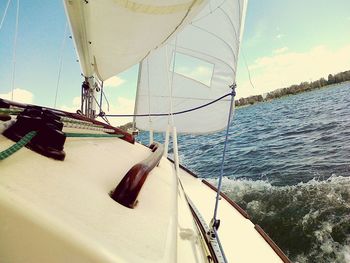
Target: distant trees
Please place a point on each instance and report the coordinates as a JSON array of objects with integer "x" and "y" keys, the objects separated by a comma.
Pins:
[
  {"x": 331, "y": 79},
  {"x": 295, "y": 89}
]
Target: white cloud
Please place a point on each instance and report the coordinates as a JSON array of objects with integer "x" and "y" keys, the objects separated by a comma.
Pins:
[
  {"x": 284, "y": 69},
  {"x": 113, "y": 82},
  {"x": 279, "y": 36},
  {"x": 258, "y": 34},
  {"x": 19, "y": 95},
  {"x": 73, "y": 107},
  {"x": 121, "y": 106},
  {"x": 280, "y": 50},
  {"x": 77, "y": 101}
]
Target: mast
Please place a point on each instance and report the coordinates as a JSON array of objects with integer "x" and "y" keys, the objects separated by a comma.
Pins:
[{"x": 88, "y": 100}]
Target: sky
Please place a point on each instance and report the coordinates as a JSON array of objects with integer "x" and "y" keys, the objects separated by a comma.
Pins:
[{"x": 285, "y": 42}]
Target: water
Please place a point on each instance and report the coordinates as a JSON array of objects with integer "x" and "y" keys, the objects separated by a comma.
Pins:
[{"x": 288, "y": 165}]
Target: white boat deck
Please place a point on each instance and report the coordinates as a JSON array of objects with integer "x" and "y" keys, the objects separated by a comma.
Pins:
[
  {"x": 240, "y": 240},
  {"x": 54, "y": 211}
]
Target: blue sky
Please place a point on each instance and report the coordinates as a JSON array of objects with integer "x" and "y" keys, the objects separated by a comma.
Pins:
[{"x": 285, "y": 42}]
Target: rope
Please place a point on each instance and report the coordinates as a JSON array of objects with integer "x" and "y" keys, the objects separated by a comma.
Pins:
[
  {"x": 246, "y": 65},
  {"x": 17, "y": 146},
  {"x": 101, "y": 95},
  {"x": 104, "y": 95},
  {"x": 149, "y": 93},
  {"x": 86, "y": 127},
  {"x": 61, "y": 62},
  {"x": 29, "y": 136},
  {"x": 71, "y": 120},
  {"x": 90, "y": 135},
  {"x": 172, "y": 83},
  {"x": 174, "y": 113},
  {"x": 14, "y": 51},
  {"x": 224, "y": 154},
  {"x": 67, "y": 122},
  {"x": 5, "y": 13}
]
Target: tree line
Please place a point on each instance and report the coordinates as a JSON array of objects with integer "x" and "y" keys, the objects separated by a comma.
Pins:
[{"x": 295, "y": 89}]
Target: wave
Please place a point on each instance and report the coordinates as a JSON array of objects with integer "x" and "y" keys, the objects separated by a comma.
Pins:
[{"x": 309, "y": 221}]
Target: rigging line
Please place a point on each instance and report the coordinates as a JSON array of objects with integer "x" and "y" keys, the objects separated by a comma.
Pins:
[
  {"x": 149, "y": 104},
  {"x": 246, "y": 65},
  {"x": 233, "y": 93},
  {"x": 137, "y": 94},
  {"x": 172, "y": 83},
  {"x": 101, "y": 96},
  {"x": 149, "y": 93},
  {"x": 61, "y": 62},
  {"x": 5, "y": 13},
  {"x": 14, "y": 51},
  {"x": 220, "y": 246},
  {"x": 96, "y": 101},
  {"x": 211, "y": 11},
  {"x": 105, "y": 119},
  {"x": 178, "y": 97},
  {"x": 103, "y": 116},
  {"x": 104, "y": 95},
  {"x": 167, "y": 114}
]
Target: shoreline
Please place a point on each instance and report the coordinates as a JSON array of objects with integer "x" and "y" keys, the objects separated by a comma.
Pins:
[{"x": 339, "y": 78}]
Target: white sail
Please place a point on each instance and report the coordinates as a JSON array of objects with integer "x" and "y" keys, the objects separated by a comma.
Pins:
[
  {"x": 204, "y": 56},
  {"x": 112, "y": 35}
]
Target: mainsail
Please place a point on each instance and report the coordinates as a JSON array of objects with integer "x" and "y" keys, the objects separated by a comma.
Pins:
[
  {"x": 112, "y": 35},
  {"x": 194, "y": 68}
]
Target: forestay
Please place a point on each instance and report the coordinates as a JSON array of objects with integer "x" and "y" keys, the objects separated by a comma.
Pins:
[
  {"x": 194, "y": 68},
  {"x": 112, "y": 35}
]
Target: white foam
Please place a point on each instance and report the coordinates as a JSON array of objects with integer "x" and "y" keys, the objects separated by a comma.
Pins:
[{"x": 316, "y": 204}]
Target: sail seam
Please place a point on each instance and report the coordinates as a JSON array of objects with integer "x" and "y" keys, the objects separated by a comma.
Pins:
[
  {"x": 211, "y": 11},
  {"x": 155, "y": 10},
  {"x": 182, "y": 20},
  {"x": 233, "y": 27},
  {"x": 227, "y": 44}
]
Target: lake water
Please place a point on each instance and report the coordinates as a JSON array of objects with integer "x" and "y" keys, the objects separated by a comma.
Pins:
[{"x": 288, "y": 165}]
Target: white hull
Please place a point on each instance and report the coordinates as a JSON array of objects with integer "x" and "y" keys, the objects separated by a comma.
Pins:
[{"x": 54, "y": 211}]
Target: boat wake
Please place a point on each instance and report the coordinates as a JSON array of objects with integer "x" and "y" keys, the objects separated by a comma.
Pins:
[{"x": 309, "y": 221}]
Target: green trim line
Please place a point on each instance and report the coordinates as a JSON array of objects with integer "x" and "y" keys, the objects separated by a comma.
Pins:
[
  {"x": 91, "y": 135},
  {"x": 18, "y": 145},
  {"x": 10, "y": 111},
  {"x": 83, "y": 123}
]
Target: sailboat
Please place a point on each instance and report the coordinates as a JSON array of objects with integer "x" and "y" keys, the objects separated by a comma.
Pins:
[{"x": 74, "y": 189}]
